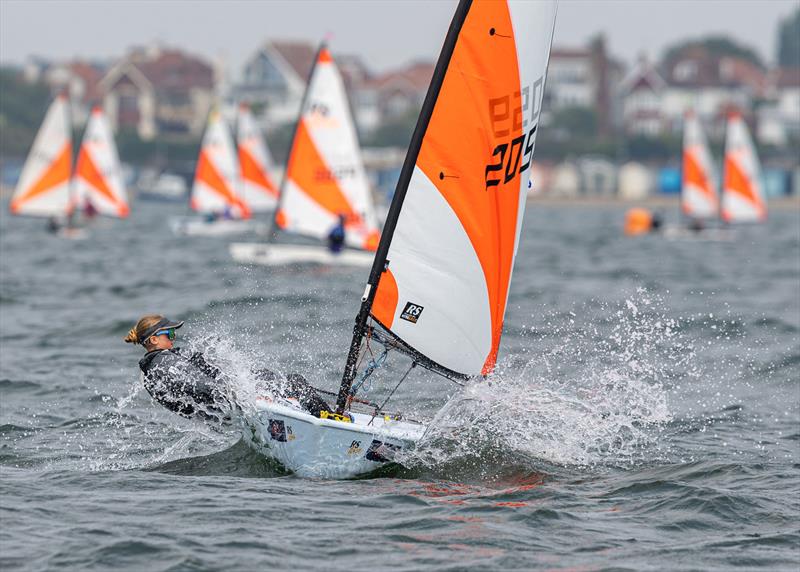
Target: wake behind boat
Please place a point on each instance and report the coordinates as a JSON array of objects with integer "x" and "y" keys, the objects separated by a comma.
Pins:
[
  {"x": 324, "y": 183},
  {"x": 438, "y": 286}
]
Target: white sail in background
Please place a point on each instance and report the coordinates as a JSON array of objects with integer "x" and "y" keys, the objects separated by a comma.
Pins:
[
  {"x": 450, "y": 259},
  {"x": 742, "y": 192},
  {"x": 216, "y": 179},
  {"x": 98, "y": 175},
  {"x": 325, "y": 176},
  {"x": 258, "y": 188},
  {"x": 699, "y": 185},
  {"x": 44, "y": 184}
]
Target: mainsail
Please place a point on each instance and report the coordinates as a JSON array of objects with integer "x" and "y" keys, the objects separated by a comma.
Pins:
[
  {"x": 441, "y": 277},
  {"x": 742, "y": 193},
  {"x": 325, "y": 176},
  {"x": 699, "y": 185},
  {"x": 258, "y": 189},
  {"x": 216, "y": 179},
  {"x": 98, "y": 176},
  {"x": 44, "y": 185}
]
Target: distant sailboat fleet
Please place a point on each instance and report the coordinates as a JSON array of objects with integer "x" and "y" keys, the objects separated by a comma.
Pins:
[
  {"x": 48, "y": 186},
  {"x": 740, "y": 199}
]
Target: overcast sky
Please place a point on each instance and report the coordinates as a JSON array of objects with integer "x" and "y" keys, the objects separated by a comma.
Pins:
[{"x": 385, "y": 33}]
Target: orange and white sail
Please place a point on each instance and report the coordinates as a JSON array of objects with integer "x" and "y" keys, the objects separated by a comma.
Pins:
[
  {"x": 325, "y": 176},
  {"x": 98, "y": 175},
  {"x": 216, "y": 179},
  {"x": 699, "y": 184},
  {"x": 742, "y": 192},
  {"x": 259, "y": 191},
  {"x": 454, "y": 225},
  {"x": 44, "y": 184}
]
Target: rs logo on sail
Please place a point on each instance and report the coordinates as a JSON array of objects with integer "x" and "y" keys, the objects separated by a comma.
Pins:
[{"x": 509, "y": 114}]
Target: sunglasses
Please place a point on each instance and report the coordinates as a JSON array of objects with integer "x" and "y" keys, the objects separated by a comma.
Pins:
[{"x": 170, "y": 332}]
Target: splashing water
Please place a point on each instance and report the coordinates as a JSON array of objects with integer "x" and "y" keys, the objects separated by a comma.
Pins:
[{"x": 595, "y": 395}]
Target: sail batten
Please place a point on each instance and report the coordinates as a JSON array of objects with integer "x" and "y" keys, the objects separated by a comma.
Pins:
[
  {"x": 441, "y": 278},
  {"x": 325, "y": 176}
]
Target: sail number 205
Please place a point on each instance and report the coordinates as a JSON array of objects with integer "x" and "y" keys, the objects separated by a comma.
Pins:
[{"x": 511, "y": 114}]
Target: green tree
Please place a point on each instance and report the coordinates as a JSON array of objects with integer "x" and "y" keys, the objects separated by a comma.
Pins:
[
  {"x": 575, "y": 121},
  {"x": 789, "y": 41},
  {"x": 716, "y": 46},
  {"x": 22, "y": 109}
]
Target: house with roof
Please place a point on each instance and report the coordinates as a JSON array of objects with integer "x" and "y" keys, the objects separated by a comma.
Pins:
[
  {"x": 779, "y": 115},
  {"x": 274, "y": 79},
  {"x": 655, "y": 99},
  {"x": 157, "y": 92},
  {"x": 78, "y": 79},
  {"x": 642, "y": 100},
  {"x": 585, "y": 77},
  {"x": 392, "y": 95}
]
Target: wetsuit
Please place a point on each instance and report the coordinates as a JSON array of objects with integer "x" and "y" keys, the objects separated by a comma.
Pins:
[
  {"x": 336, "y": 238},
  {"x": 187, "y": 384}
]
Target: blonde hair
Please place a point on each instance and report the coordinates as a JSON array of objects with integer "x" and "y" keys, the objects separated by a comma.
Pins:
[{"x": 144, "y": 323}]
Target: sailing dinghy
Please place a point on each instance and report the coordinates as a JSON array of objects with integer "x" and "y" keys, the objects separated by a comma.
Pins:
[
  {"x": 259, "y": 191},
  {"x": 742, "y": 191},
  {"x": 47, "y": 186},
  {"x": 216, "y": 189},
  {"x": 699, "y": 201},
  {"x": 98, "y": 185},
  {"x": 324, "y": 178},
  {"x": 439, "y": 282}
]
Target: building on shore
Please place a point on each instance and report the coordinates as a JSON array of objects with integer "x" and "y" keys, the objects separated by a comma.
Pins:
[{"x": 159, "y": 92}]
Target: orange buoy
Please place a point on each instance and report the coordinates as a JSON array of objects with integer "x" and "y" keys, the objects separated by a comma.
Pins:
[{"x": 638, "y": 221}]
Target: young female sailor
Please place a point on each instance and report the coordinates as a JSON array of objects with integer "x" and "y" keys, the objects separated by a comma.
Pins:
[{"x": 184, "y": 382}]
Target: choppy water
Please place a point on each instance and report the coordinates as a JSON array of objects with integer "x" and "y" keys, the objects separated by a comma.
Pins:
[{"x": 645, "y": 415}]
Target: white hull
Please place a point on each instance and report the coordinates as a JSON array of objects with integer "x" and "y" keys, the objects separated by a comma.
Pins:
[
  {"x": 285, "y": 254},
  {"x": 195, "y": 226},
  {"x": 324, "y": 448},
  {"x": 706, "y": 234}
]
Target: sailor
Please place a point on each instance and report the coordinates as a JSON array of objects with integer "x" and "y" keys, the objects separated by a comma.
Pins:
[
  {"x": 53, "y": 225},
  {"x": 186, "y": 383},
  {"x": 337, "y": 235}
]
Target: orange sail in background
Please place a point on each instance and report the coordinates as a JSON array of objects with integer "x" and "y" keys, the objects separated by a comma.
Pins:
[
  {"x": 325, "y": 175},
  {"x": 216, "y": 179},
  {"x": 259, "y": 191},
  {"x": 742, "y": 192},
  {"x": 44, "y": 184},
  {"x": 98, "y": 174},
  {"x": 699, "y": 185}
]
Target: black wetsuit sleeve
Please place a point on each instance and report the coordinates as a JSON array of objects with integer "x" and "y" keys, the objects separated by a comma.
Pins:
[
  {"x": 199, "y": 360},
  {"x": 180, "y": 385}
]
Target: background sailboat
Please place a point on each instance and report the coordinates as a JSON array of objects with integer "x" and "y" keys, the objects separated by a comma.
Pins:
[
  {"x": 98, "y": 183},
  {"x": 216, "y": 191},
  {"x": 324, "y": 178},
  {"x": 439, "y": 283},
  {"x": 259, "y": 191},
  {"x": 742, "y": 190},
  {"x": 43, "y": 188},
  {"x": 699, "y": 183}
]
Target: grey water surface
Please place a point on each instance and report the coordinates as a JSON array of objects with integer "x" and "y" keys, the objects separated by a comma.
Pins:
[{"x": 645, "y": 414}]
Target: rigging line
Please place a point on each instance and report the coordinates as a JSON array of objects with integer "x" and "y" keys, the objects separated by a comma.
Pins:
[{"x": 402, "y": 379}]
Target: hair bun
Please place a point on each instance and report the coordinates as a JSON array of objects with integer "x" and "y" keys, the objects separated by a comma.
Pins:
[{"x": 132, "y": 338}]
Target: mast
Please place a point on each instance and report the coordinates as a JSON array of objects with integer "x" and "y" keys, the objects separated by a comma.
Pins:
[
  {"x": 380, "y": 263},
  {"x": 273, "y": 232}
]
